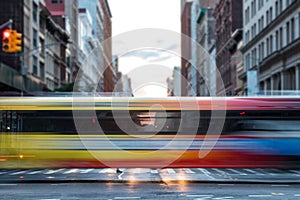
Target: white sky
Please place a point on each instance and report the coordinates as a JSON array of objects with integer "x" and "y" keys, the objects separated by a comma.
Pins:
[{"x": 128, "y": 15}]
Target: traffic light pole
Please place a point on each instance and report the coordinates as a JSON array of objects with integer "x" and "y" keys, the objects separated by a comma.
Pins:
[{"x": 8, "y": 23}]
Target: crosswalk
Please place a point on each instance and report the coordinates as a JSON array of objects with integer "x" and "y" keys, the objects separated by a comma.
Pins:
[{"x": 166, "y": 171}]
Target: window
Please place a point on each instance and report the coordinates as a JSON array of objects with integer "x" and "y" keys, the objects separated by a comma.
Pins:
[
  {"x": 288, "y": 33},
  {"x": 280, "y": 5},
  {"x": 34, "y": 12},
  {"x": 35, "y": 38},
  {"x": 271, "y": 44},
  {"x": 299, "y": 25},
  {"x": 276, "y": 9},
  {"x": 56, "y": 1},
  {"x": 280, "y": 38},
  {"x": 263, "y": 50},
  {"x": 247, "y": 61},
  {"x": 268, "y": 46},
  {"x": 34, "y": 65},
  {"x": 277, "y": 40},
  {"x": 42, "y": 71},
  {"x": 247, "y": 15},
  {"x": 292, "y": 29},
  {"x": 252, "y": 9},
  {"x": 271, "y": 14}
]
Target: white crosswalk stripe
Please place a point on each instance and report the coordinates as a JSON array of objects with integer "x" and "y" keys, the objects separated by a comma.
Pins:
[
  {"x": 107, "y": 170},
  {"x": 188, "y": 171},
  {"x": 85, "y": 171},
  {"x": 71, "y": 171},
  {"x": 153, "y": 171},
  {"x": 35, "y": 172},
  {"x": 19, "y": 172},
  {"x": 237, "y": 172},
  {"x": 219, "y": 171},
  {"x": 254, "y": 172},
  {"x": 171, "y": 171},
  {"x": 53, "y": 171}
]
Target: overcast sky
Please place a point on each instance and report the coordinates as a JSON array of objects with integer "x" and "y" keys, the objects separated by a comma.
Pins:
[{"x": 129, "y": 15}]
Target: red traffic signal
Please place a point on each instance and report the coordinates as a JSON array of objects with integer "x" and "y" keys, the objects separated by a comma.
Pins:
[{"x": 11, "y": 41}]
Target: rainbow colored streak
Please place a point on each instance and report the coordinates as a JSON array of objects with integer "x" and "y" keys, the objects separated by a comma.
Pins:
[{"x": 259, "y": 148}]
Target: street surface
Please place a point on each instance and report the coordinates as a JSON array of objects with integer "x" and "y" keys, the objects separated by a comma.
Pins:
[
  {"x": 143, "y": 183},
  {"x": 136, "y": 191}
]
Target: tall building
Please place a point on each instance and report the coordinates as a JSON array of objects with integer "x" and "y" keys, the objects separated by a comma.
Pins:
[
  {"x": 109, "y": 74},
  {"x": 271, "y": 46},
  {"x": 53, "y": 40},
  {"x": 185, "y": 45},
  {"x": 65, "y": 13},
  {"x": 88, "y": 55},
  {"x": 25, "y": 72},
  {"x": 206, "y": 39},
  {"x": 95, "y": 10},
  {"x": 229, "y": 18}
]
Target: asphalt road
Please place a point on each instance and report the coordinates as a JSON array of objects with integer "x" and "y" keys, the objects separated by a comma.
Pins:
[{"x": 164, "y": 191}]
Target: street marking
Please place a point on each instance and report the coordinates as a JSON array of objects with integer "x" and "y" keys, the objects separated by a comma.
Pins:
[
  {"x": 35, "y": 172},
  {"x": 259, "y": 195},
  {"x": 171, "y": 171},
  {"x": 127, "y": 197},
  {"x": 189, "y": 171},
  {"x": 107, "y": 170},
  {"x": 237, "y": 172},
  {"x": 199, "y": 195},
  {"x": 297, "y": 195},
  {"x": 49, "y": 199},
  {"x": 204, "y": 170},
  {"x": 221, "y": 198},
  {"x": 20, "y": 172},
  {"x": 71, "y": 171},
  {"x": 53, "y": 171},
  {"x": 220, "y": 171},
  {"x": 207, "y": 173},
  {"x": 254, "y": 172},
  {"x": 8, "y": 184},
  {"x": 295, "y": 171},
  {"x": 280, "y": 185},
  {"x": 85, "y": 171},
  {"x": 154, "y": 171},
  {"x": 226, "y": 184}
]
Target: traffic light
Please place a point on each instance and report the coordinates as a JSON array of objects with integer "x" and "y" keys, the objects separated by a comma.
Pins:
[
  {"x": 17, "y": 42},
  {"x": 11, "y": 41},
  {"x": 6, "y": 41}
]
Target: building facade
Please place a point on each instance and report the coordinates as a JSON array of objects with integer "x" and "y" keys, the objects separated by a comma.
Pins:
[
  {"x": 206, "y": 39},
  {"x": 16, "y": 70},
  {"x": 229, "y": 18},
  {"x": 110, "y": 76},
  {"x": 271, "y": 45},
  {"x": 97, "y": 36},
  {"x": 185, "y": 45},
  {"x": 65, "y": 13}
]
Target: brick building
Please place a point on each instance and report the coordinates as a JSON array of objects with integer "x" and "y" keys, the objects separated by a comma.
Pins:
[
  {"x": 110, "y": 75},
  {"x": 229, "y": 18}
]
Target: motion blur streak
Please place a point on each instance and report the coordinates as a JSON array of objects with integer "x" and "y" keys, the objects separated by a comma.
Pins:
[{"x": 40, "y": 133}]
